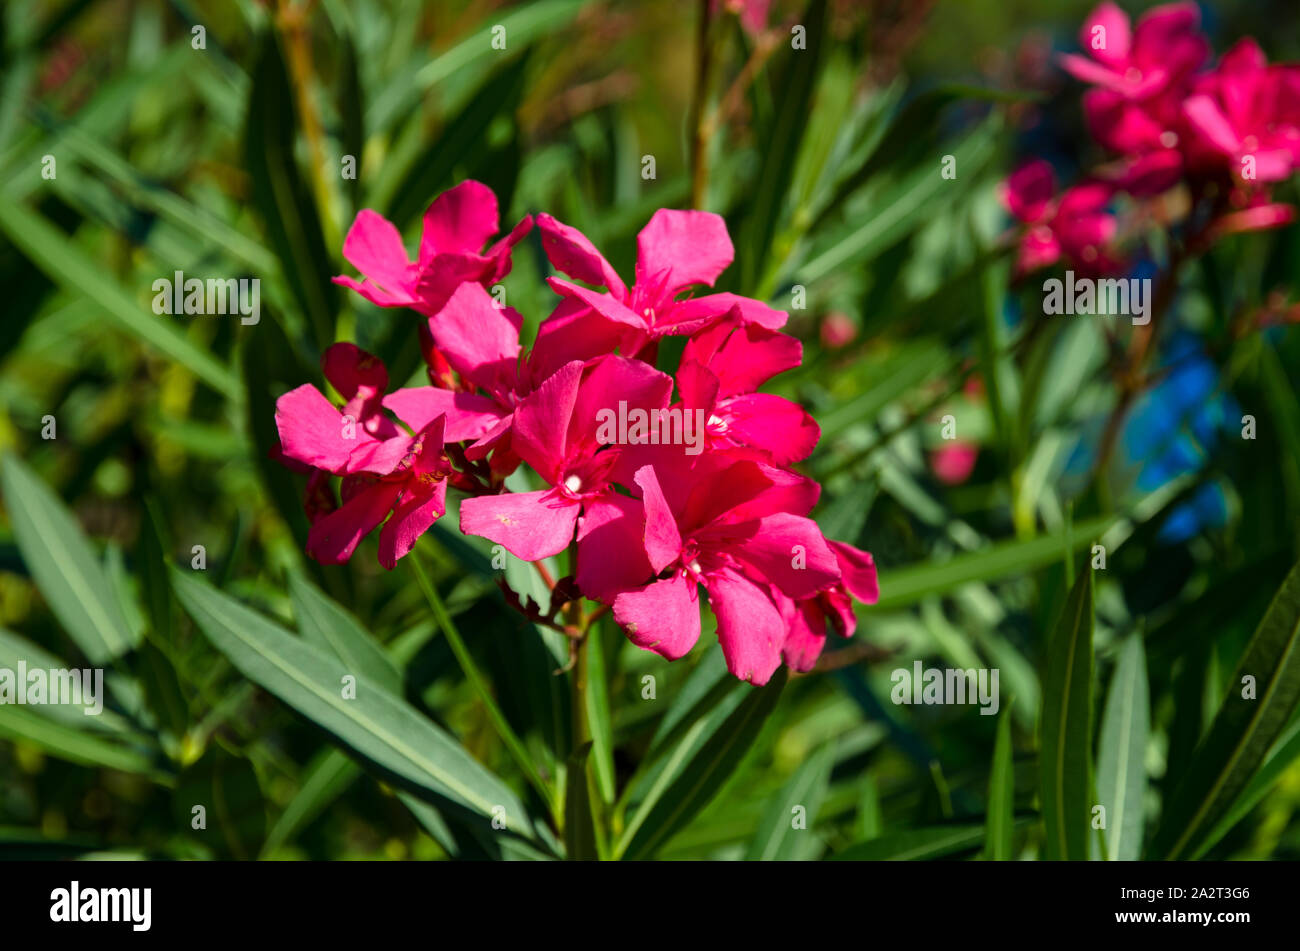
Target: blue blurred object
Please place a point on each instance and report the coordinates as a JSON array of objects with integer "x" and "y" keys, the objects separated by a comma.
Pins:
[{"x": 1171, "y": 431}]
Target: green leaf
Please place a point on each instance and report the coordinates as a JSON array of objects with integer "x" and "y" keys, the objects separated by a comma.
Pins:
[
  {"x": 598, "y": 715},
  {"x": 55, "y": 254},
  {"x": 324, "y": 780},
  {"x": 657, "y": 820},
  {"x": 63, "y": 566},
  {"x": 915, "y": 845},
  {"x": 1243, "y": 730},
  {"x": 998, "y": 823},
  {"x": 777, "y": 838},
  {"x": 234, "y": 810},
  {"x": 326, "y": 624},
  {"x": 579, "y": 826},
  {"x": 282, "y": 197},
  {"x": 1121, "y": 755},
  {"x": 902, "y": 206},
  {"x": 781, "y": 149},
  {"x": 1067, "y": 727},
  {"x": 901, "y": 587},
  {"x": 75, "y": 744},
  {"x": 1285, "y": 752},
  {"x": 375, "y": 724},
  {"x": 464, "y": 136}
]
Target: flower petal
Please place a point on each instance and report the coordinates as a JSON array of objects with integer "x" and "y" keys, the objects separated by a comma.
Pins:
[
  {"x": 611, "y": 558},
  {"x": 663, "y": 617},
  {"x": 678, "y": 249},
  {"x": 531, "y": 525},
  {"x": 460, "y": 219},
  {"x": 750, "y": 628}
]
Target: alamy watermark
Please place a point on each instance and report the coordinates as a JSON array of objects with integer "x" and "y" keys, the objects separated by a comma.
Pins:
[
  {"x": 182, "y": 295},
  {"x": 948, "y": 686},
  {"x": 653, "y": 427},
  {"x": 1106, "y": 297},
  {"x": 58, "y": 686}
]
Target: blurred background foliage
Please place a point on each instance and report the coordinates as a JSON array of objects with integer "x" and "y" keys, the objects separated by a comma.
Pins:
[{"x": 226, "y": 161}]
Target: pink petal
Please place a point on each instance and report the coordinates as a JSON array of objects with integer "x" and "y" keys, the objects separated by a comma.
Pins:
[
  {"x": 1206, "y": 117},
  {"x": 541, "y": 422},
  {"x": 569, "y": 250},
  {"x": 780, "y": 428},
  {"x": 479, "y": 339},
  {"x": 1029, "y": 189},
  {"x": 789, "y": 552},
  {"x": 663, "y": 541},
  {"x": 469, "y": 416},
  {"x": 750, "y": 628},
  {"x": 805, "y": 627},
  {"x": 334, "y": 537},
  {"x": 531, "y": 525},
  {"x": 857, "y": 572},
  {"x": 573, "y": 331},
  {"x": 607, "y": 382},
  {"x": 1118, "y": 34},
  {"x": 748, "y": 311},
  {"x": 606, "y": 305},
  {"x": 678, "y": 249},
  {"x": 312, "y": 429},
  {"x": 374, "y": 247},
  {"x": 460, "y": 219},
  {"x": 663, "y": 617},
  {"x": 611, "y": 558},
  {"x": 414, "y": 516},
  {"x": 743, "y": 358}
]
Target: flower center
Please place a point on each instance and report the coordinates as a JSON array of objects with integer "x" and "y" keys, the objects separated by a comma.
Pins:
[{"x": 573, "y": 484}]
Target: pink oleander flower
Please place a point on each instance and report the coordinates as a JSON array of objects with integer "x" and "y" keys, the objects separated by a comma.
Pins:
[
  {"x": 1165, "y": 48},
  {"x": 1141, "y": 74},
  {"x": 1078, "y": 226},
  {"x": 806, "y": 620},
  {"x": 676, "y": 251},
  {"x": 384, "y": 469},
  {"x": 953, "y": 462},
  {"x": 479, "y": 341},
  {"x": 736, "y": 528},
  {"x": 720, "y": 370},
  {"x": 1245, "y": 115},
  {"x": 456, "y": 226},
  {"x": 555, "y": 430}
]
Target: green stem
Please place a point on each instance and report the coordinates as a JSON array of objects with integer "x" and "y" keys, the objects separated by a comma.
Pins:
[{"x": 476, "y": 680}]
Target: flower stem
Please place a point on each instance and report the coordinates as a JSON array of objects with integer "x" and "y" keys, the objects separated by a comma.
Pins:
[{"x": 476, "y": 680}]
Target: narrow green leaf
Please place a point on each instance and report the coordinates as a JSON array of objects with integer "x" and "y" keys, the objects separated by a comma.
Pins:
[
  {"x": 324, "y": 779},
  {"x": 579, "y": 825},
  {"x": 1285, "y": 752},
  {"x": 1243, "y": 731},
  {"x": 374, "y": 724},
  {"x": 1121, "y": 755},
  {"x": 77, "y": 745},
  {"x": 915, "y": 845},
  {"x": 655, "y": 823},
  {"x": 901, "y": 587},
  {"x": 598, "y": 715},
  {"x": 998, "y": 823},
  {"x": 53, "y": 253},
  {"x": 782, "y": 148},
  {"x": 785, "y": 831},
  {"x": 328, "y": 625},
  {"x": 282, "y": 197},
  {"x": 1067, "y": 728},
  {"x": 63, "y": 566}
]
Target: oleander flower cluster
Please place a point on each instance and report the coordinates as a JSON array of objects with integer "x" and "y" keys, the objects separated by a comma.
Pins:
[
  {"x": 1216, "y": 140},
  {"x": 666, "y": 487}
]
